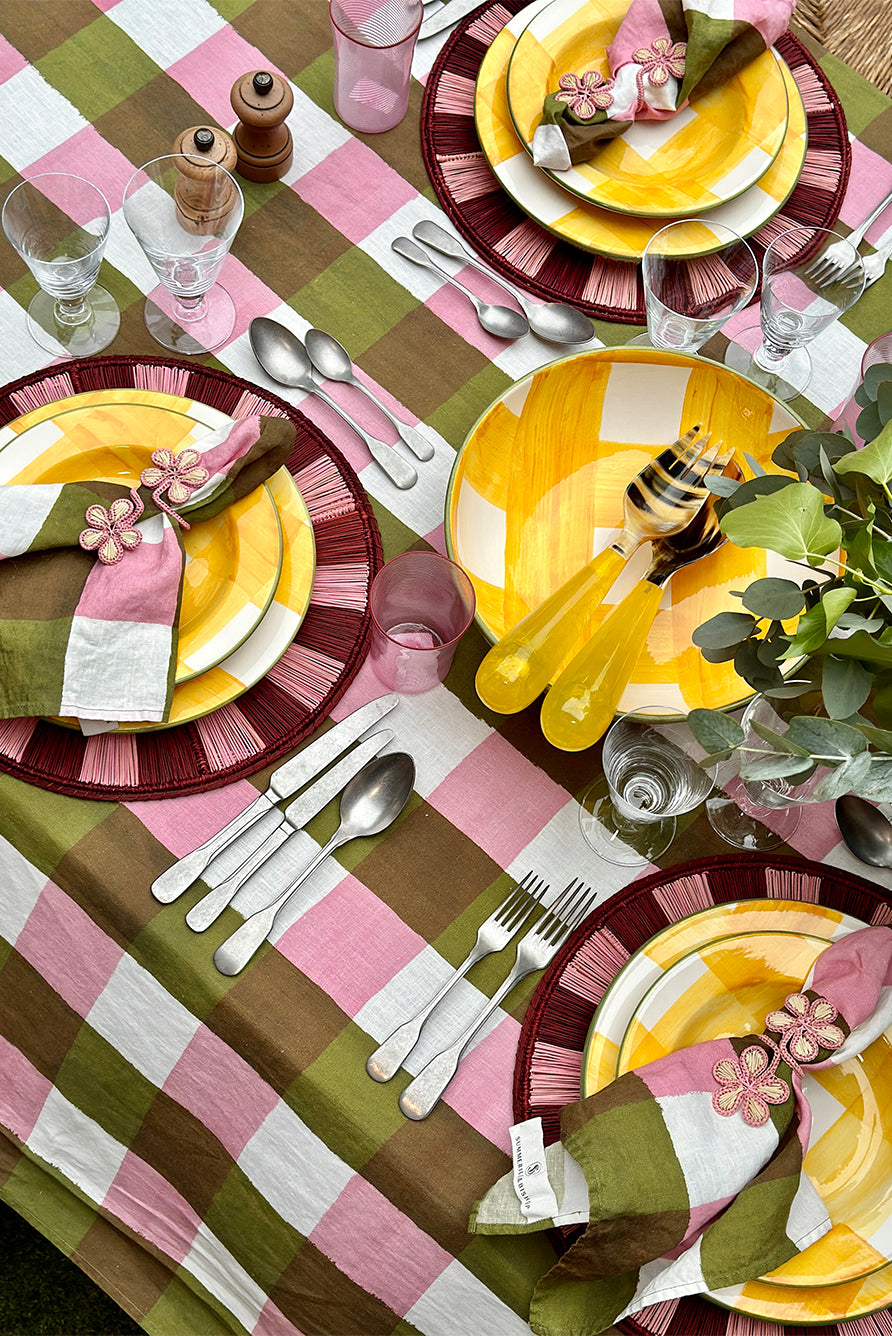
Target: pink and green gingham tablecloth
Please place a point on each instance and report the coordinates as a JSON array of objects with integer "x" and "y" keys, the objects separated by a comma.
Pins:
[{"x": 211, "y": 1150}]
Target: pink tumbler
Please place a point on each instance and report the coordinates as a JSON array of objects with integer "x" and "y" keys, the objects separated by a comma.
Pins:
[
  {"x": 880, "y": 351},
  {"x": 373, "y": 45},
  {"x": 421, "y": 606}
]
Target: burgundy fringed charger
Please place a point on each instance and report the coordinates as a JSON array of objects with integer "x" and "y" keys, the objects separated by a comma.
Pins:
[
  {"x": 548, "y": 1067},
  {"x": 524, "y": 251},
  {"x": 292, "y": 700}
]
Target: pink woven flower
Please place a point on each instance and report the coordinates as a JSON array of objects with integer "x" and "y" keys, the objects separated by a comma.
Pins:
[
  {"x": 748, "y": 1083},
  {"x": 111, "y": 532},
  {"x": 662, "y": 59},
  {"x": 177, "y": 475},
  {"x": 806, "y": 1027},
  {"x": 585, "y": 93}
]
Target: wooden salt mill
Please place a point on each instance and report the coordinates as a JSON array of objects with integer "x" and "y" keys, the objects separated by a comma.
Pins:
[
  {"x": 201, "y": 203},
  {"x": 263, "y": 141}
]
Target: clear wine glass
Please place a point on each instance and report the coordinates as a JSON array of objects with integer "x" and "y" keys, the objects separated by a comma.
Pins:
[
  {"x": 688, "y": 299},
  {"x": 184, "y": 210},
  {"x": 795, "y": 308},
  {"x": 59, "y": 225},
  {"x": 760, "y": 814},
  {"x": 651, "y": 776}
]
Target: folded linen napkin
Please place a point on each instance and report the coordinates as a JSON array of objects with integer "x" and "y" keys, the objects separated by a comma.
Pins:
[
  {"x": 664, "y": 52},
  {"x": 687, "y": 1173},
  {"x": 91, "y": 575}
]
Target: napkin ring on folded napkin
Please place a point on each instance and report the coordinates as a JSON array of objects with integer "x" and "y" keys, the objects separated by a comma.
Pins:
[
  {"x": 750, "y": 1082},
  {"x": 112, "y": 532},
  {"x": 586, "y": 93},
  {"x": 175, "y": 474}
]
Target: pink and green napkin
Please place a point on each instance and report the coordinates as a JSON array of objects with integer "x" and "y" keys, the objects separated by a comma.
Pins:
[
  {"x": 687, "y": 1173},
  {"x": 664, "y": 53},
  {"x": 91, "y": 575}
]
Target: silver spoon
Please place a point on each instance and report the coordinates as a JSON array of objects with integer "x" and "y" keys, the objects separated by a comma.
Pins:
[
  {"x": 370, "y": 803},
  {"x": 332, "y": 361},
  {"x": 283, "y": 356},
  {"x": 554, "y": 321},
  {"x": 498, "y": 320},
  {"x": 865, "y": 829}
]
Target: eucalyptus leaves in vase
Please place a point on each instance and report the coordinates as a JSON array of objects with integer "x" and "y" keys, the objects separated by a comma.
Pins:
[{"x": 834, "y": 519}]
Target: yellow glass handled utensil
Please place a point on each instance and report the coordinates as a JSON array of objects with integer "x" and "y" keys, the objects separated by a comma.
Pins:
[
  {"x": 659, "y": 501},
  {"x": 579, "y": 708}
]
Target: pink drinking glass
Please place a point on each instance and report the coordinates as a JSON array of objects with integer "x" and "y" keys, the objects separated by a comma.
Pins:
[
  {"x": 421, "y": 606},
  {"x": 880, "y": 351},
  {"x": 373, "y": 45}
]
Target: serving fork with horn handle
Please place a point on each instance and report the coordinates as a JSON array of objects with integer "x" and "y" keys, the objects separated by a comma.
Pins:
[
  {"x": 660, "y": 501},
  {"x": 581, "y": 704}
]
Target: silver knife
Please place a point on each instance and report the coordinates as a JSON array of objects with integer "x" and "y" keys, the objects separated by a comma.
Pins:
[
  {"x": 447, "y": 17},
  {"x": 295, "y": 817},
  {"x": 283, "y": 782}
]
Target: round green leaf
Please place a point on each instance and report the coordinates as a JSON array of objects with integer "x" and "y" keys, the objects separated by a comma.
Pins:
[
  {"x": 774, "y": 598},
  {"x": 791, "y": 522},
  {"x": 875, "y": 460},
  {"x": 724, "y": 630},
  {"x": 826, "y": 737},
  {"x": 715, "y": 731},
  {"x": 874, "y": 377}
]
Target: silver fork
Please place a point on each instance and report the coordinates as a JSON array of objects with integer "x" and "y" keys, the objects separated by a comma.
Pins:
[
  {"x": 534, "y": 951},
  {"x": 494, "y": 934},
  {"x": 875, "y": 265},
  {"x": 836, "y": 258}
]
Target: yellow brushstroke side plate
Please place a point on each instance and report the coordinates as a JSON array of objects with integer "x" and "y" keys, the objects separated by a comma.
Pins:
[
  {"x": 807, "y": 1289},
  {"x": 536, "y": 491},
  {"x": 233, "y": 561},
  {"x": 623, "y": 237},
  {"x": 707, "y": 153}
]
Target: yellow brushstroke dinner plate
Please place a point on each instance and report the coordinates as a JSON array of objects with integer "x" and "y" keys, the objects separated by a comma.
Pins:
[
  {"x": 621, "y": 236},
  {"x": 536, "y": 491},
  {"x": 706, "y": 154},
  {"x": 745, "y": 948},
  {"x": 266, "y": 644},
  {"x": 233, "y": 561}
]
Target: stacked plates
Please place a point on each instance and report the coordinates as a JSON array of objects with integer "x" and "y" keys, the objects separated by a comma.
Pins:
[
  {"x": 733, "y": 155},
  {"x": 249, "y": 570},
  {"x": 719, "y": 973}
]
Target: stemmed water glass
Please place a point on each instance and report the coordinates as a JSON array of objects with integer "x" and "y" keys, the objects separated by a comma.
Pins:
[
  {"x": 798, "y": 302},
  {"x": 688, "y": 298},
  {"x": 760, "y": 813},
  {"x": 184, "y": 210},
  {"x": 651, "y": 776},
  {"x": 59, "y": 225}
]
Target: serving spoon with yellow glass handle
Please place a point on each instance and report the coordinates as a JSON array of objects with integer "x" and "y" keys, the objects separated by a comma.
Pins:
[
  {"x": 660, "y": 501},
  {"x": 581, "y": 704}
]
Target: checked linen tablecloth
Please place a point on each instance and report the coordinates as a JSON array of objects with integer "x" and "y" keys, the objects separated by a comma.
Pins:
[{"x": 211, "y": 1150}]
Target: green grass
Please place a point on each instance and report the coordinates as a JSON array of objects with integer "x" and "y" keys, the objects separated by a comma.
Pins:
[{"x": 42, "y": 1293}]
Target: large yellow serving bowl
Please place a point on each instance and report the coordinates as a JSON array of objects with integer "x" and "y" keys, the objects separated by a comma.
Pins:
[{"x": 537, "y": 488}]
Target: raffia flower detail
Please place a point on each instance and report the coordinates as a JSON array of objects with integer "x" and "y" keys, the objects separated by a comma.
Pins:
[
  {"x": 748, "y": 1083},
  {"x": 806, "y": 1027},
  {"x": 585, "y": 93},
  {"x": 177, "y": 475},
  {"x": 662, "y": 59},
  {"x": 111, "y": 532}
]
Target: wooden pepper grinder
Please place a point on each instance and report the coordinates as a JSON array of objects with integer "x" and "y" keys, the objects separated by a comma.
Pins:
[
  {"x": 263, "y": 141},
  {"x": 201, "y": 203}
]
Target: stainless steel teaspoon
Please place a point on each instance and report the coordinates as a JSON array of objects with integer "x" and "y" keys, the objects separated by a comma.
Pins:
[
  {"x": 332, "y": 361},
  {"x": 497, "y": 320},
  {"x": 283, "y": 356},
  {"x": 554, "y": 321}
]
